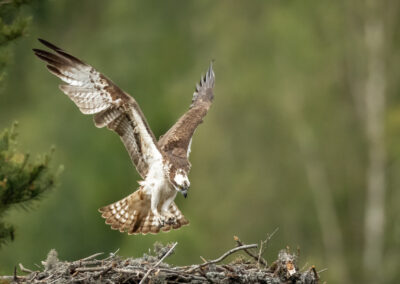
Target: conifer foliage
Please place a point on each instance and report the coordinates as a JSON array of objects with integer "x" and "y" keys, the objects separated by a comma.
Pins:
[
  {"x": 22, "y": 181},
  {"x": 13, "y": 25}
]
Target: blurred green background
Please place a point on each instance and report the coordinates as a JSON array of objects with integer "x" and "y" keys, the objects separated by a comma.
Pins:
[{"x": 303, "y": 135}]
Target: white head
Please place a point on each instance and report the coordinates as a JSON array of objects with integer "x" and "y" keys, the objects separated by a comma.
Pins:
[{"x": 181, "y": 182}]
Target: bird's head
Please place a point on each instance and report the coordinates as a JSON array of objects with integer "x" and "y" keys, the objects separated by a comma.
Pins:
[{"x": 180, "y": 181}]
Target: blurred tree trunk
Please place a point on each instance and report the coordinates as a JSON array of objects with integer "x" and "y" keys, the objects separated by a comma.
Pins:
[
  {"x": 317, "y": 179},
  {"x": 368, "y": 84},
  {"x": 374, "y": 89}
]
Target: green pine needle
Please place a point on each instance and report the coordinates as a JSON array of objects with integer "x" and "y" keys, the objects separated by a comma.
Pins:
[{"x": 22, "y": 181}]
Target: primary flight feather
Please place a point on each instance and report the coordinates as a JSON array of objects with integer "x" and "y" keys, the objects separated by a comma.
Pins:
[{"x": 163, "y": 165}]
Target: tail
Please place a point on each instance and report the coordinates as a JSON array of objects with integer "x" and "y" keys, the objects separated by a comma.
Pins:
[{"x": 133, "y": 215}]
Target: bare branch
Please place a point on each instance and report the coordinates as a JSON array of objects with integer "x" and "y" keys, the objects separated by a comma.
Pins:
[
  {"x": 96, "y": 268},
  {"x": 322, "y": 270},
  {"x": 225, "y": 255},
  {"x": 92, "y": 256},
  {"x": 263, "y": 246},
  {"x": 23, "y": 269},
  {"x": 222, "y": 257},
  {"x": 9, "y": 278},
  {"x": 255, "y": 257}
]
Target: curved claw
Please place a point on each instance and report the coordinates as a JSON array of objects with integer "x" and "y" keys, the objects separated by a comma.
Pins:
[
  {"x": 166, "y": 219},
  {"x": 161, "y": 221},
  {"x": 171, "y": 220}
]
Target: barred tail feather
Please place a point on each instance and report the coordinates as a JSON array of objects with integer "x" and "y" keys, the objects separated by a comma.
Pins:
[
  {"x": 125, "y": 215},
  {"x": 180, "y": 219},
  {"x": 134, "y": 216}
]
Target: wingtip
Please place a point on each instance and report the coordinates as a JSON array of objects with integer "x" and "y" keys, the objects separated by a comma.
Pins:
[
  {"x": 58, "y": 50},
  {"x": 49, "y": 45},
  {"x": 209, "y": 79},
  {"x": 38, "y": 52},
  {"x": 210, "y": 72},
  {"x": 212, "y": 62},
  {"x": 206, "y": 82}
]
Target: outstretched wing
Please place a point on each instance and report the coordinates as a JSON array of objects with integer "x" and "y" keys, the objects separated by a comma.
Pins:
[
  {"x": 178, "y": 138},
  {"x": 94, "y": 93}
]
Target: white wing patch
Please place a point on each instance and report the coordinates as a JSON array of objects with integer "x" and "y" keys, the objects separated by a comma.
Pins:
[
  {"x": 150, "y": 150},
  {"x": 189, "y": 149},
  {"x": 88, "y": 100}
]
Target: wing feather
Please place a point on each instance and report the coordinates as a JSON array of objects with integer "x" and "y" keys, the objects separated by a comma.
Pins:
[
  {"x": 178, "y": 138},
  {"x": 104, "y": 118},
  {"x": 93, "y": 93}
]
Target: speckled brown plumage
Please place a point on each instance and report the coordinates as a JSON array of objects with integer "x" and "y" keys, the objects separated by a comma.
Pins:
[{"x": 163, "y": 165}]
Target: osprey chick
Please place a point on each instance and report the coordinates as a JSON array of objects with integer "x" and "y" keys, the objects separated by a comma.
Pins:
[{"x": 163, "y": 165}]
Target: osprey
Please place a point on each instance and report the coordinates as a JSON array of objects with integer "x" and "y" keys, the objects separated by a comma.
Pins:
[{"x": 163, "y": 164}]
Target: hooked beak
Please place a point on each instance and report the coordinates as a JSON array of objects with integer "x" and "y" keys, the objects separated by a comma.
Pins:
[{"x": 184, "y": 191}]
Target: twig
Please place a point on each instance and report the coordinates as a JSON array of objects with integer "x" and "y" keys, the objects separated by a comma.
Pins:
[
  {"x": 23, "y": 269},
  {"x": 115, "y": 252},
  {"x": 137, "y": 270},
  {"x": 102, "y": 272},
  {"x": 176, "y": 271},
  {"x": 260, "y": 259},
  {"x": 222, "y": 257},
  {"x": 112, "y": 254},
  {"x": 239, "y": 242},
  {"x": 96, "y": 268},
  {"x": 158, "y": 263},
  {"x": 128, "y": 271},
  {"x": 87, "y": 263},
  {"x": 7, "y": 278},
  {"x": 263, "y": 246},
  {"x": 55, "y": 280},
  {"x": 322, "y": 270},
  {"x": 91, "y": 257},
  {"x": 304, "y": 267}
]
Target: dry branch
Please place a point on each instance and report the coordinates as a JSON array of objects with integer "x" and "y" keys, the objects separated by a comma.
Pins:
[{"x": 255, "y": 257}]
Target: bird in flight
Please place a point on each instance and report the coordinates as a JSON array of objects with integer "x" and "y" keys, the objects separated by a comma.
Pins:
[{"x": 163, "y": 165}]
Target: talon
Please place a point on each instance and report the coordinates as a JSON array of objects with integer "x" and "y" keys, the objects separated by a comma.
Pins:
[
  {"x": 171, "y": 221},
  {"x": 170, "y": 218},
  {"x": 161, "y": 221}
]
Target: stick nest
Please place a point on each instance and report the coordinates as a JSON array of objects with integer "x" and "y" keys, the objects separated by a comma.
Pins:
[{"x": 248, "y": 267}]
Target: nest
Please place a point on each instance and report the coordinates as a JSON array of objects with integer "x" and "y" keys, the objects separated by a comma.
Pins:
[{"x": 249, "y": 267}]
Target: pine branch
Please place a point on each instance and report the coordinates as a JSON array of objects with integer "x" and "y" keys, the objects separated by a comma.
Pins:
[{"x": 22, "y": 181}]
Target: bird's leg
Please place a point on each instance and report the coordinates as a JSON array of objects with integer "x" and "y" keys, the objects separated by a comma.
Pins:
[
  {"x": 170, "y": 218},
  {"x": 155, "y": 199}
]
